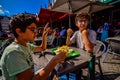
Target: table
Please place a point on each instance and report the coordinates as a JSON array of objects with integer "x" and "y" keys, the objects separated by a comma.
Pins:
[
  {"x": 117, "y": 32},
  {"x": 117, "y": 38},
  {"x": 73, "y": 64},
  {"x": 114, "y": 44},
  {"x": 67, "y": 66}
]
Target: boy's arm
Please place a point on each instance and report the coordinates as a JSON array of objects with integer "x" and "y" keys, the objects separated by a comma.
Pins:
[
  {"x": 50, "y": 66},
  {"x": 69, "y": 33},
  {"x": 88, "y": 45},
  {"x": 44, "y": 73},
  {"x": 44, "y": 39}
]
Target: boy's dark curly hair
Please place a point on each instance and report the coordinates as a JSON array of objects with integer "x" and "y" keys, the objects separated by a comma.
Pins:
[{"x": 21, "y": 21}]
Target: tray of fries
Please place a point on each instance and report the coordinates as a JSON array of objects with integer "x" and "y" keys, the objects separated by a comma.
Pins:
[{"x": 70, "y": 53}]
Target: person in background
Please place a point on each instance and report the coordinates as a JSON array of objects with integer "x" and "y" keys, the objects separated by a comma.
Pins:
[
  {"x": 62, "y": 38},
  {"x": 16, "y": 61},
  {"x": 99, "y": 32},
  {"x": 53, "y": 38},
  {"x": 104, "y": 34},
  {"x": 58, "y": 32},
  {"x": 84, "y": 37},
  {"x": 63, "y": 32}
]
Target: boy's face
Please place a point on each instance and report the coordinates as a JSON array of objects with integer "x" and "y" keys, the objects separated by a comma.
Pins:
[
  {"x": 82, "y": 23},
  {"x": 30, "y": 33}
]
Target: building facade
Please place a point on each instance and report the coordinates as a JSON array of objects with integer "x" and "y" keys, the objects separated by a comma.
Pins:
[{"x": 4, "y": 23}]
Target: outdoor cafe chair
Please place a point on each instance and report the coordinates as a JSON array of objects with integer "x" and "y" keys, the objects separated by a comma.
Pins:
[
  {"x": 113, "y": 46},
  {"x": 99, "y": 50}
]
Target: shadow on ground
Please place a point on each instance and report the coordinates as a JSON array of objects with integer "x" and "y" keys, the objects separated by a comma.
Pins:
[
  {"x": 111, "y": 76},
  {"x": 112, "y": 62}
]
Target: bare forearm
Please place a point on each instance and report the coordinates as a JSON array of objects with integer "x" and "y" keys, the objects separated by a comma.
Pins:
[
  {"x": 68, "y": 42},
  {"x": 88, "y": 45},
  {"x": 48, "y": 68},
  {"x": 43, "y": 74},
  {"x": 44, "y": 36},
  {"x": 44, "y": 42},
  {"x": 42, "y": 47},
  {"x": 69, "y": 33}
]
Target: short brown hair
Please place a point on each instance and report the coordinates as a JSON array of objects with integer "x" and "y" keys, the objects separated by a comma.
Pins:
[{"x": 81, "y": 16}]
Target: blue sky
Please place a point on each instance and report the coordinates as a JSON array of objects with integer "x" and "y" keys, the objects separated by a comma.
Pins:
[{"x": 11, "y": 7}]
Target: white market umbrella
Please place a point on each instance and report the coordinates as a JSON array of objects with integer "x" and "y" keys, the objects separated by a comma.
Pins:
[{"x": 76, "y": 6}]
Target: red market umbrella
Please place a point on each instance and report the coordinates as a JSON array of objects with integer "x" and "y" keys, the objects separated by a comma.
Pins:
[{"x": 46, "y": 15}]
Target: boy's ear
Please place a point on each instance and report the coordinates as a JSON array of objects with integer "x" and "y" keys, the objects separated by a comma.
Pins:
[{"x": 18, "y": 31}]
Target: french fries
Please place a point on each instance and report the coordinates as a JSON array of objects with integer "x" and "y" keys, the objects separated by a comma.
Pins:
[{"x": 63, "y": 49}]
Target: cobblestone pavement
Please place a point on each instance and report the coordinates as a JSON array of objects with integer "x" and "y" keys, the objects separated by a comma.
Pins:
[{"x": 110, "y": 68}]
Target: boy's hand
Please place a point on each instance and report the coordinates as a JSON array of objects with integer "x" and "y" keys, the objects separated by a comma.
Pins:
[
  {"x": 46, "y": 29},
  {"x": 69, "y": 32},
  {"x": 84, "y": 31},
  {"x": 59, "y": 57}
]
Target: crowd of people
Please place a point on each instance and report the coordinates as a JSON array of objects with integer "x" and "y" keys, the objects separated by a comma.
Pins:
[{"x": 106, "y": 30}]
